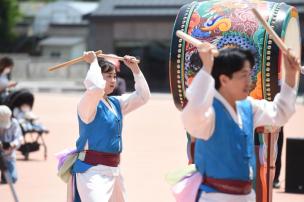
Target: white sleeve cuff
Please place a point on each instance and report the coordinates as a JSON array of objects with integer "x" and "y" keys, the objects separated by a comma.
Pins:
[
  {"x": 94, "y": 77},
  {"x": 138, "y": 76},
  {"x": 201, "y": 87},
  {"x": 287, "y": 91}
]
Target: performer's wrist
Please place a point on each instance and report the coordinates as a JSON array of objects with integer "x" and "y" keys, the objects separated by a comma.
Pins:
[
  {"x": 136, "y": 71},
  {"x": 290, "y": 79}
]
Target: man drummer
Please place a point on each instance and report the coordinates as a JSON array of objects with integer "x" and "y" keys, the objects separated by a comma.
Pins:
[{"x": 222, "y": 117}]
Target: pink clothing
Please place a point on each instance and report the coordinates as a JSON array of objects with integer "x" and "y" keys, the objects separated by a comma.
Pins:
[{"x": 186, "y": 190}]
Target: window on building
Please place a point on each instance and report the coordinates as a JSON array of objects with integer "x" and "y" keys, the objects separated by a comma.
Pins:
[
  {"x": 154, "y": 58},
  {"x": 55, "y": 54}
]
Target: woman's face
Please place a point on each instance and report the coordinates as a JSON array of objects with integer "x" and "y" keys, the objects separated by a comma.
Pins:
[
  {"x": 110, "y": 78},
  {"x": 7, "y": 70}
]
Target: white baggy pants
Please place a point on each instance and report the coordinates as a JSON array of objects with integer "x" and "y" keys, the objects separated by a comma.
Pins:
[{"x": 101, "y": 184}]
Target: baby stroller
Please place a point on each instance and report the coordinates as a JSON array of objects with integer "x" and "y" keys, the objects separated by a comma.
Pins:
[{"x": 21, "y": 103}]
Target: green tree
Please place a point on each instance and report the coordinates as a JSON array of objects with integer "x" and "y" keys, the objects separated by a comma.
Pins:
[
  {"x": 37, "y": 0},
  {"x": 58, "y": 0},
  {"x": 9, "y": 15}
]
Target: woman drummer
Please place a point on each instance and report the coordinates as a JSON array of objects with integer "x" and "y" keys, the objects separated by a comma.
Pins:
[{"x": 100, "y": 118}]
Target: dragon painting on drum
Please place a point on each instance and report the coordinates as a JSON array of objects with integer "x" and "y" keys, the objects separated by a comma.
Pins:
[{"x": 228, "y": 24}]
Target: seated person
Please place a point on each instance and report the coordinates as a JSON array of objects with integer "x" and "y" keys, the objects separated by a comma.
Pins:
[{"x": 6, "y": 66}]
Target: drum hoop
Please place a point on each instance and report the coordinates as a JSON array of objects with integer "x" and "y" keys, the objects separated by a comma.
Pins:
[
  {"x": 268, "y": 65},
  {"x": 177, "y": 81},
  {"x": 294, "y": 16}
]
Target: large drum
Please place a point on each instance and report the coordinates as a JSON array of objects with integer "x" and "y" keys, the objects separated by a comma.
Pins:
[{"x": 230, "y": 23}]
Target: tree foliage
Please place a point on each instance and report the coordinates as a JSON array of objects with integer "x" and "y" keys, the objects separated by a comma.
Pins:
[{"x": 9, "y": 15}]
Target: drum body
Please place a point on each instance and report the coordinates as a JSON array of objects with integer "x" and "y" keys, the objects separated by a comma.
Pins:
[{"x": 227, "y": 24}]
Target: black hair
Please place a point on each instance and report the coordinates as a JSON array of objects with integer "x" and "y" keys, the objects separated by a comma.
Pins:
[
  {"x": 229, "y": 61},
  {"x": 106, "y": 66},
  {"x": 5, "y": 62}
]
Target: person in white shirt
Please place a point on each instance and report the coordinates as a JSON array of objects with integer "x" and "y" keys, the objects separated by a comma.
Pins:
[
  {"x": 100, "y": 117},
  {"x": 222, "y": 117}
]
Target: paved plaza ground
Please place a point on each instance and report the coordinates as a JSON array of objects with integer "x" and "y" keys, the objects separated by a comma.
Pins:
[{"x": 154, "y": 144}]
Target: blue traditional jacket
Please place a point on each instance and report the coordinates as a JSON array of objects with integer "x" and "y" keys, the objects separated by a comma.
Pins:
[
  {"x": 103, "y": 134},
  {"x": 229, "y": 152}
]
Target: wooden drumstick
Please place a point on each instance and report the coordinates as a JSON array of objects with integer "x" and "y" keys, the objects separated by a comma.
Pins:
[
  {"x": 278, "y": 41},
  {"x": 71, "y": 62},
  {"x": 79, "y": 59},
  {"x": 115, "y": 57},
  {"x": 195, "y": 42},
  {"x": 271, "y": 32}
]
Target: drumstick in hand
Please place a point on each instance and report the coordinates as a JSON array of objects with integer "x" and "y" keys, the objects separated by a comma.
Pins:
[
  {"x": 195, "y": 42},
  {"x": 71, "y": 62},
  {"x": 115, "y": 57},
  {"x": 79, "y": 59}
]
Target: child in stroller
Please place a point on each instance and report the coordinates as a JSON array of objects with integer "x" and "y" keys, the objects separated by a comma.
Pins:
[{"x": 21, "y": 103}]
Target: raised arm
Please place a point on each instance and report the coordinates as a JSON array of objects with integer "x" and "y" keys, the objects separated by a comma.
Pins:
[
  {"x": 95, "y": 85},
  {"x": 141, "y": 95},
  {"x": 198, "y": 115},
  {"x": 278, "y": 112}
]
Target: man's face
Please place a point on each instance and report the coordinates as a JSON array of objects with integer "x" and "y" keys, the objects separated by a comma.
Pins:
[{"x": 239, "y": 85}]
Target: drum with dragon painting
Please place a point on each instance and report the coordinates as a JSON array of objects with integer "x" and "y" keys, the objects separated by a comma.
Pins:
[{"x": 232, "y": 24}]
